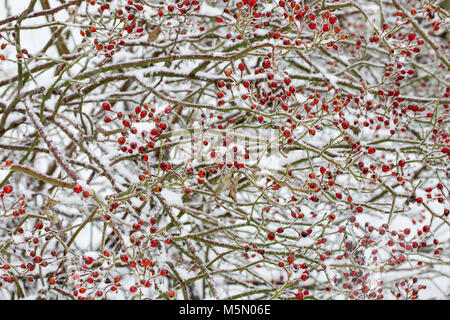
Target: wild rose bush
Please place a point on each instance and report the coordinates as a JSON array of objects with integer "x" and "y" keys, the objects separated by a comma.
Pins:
[{"x": 224, "y": 149}]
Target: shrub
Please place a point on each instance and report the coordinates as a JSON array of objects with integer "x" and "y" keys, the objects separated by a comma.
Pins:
[{"x": 231, "y": 149}]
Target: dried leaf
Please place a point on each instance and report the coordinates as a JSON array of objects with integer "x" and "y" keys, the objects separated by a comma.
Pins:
[
  {"x": 234, "y": 186},
  {"x": 50, "y": 203},
  {"x": 52, "y": 217},
  {"x": 355, "y": 130},
  {"x": 153, "y": 34},
  {"x": 225, "y": 180}
]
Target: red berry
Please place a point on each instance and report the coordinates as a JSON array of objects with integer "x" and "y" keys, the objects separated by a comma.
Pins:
[
  {"x": 154, "y": 243},
  {"x": 299, "y": 296},
  {"x": 106, "y": 106},
  {"x": 202, "y": 173},
  {"x": 7, "y": 189},
  {"x": 332, "y": 19},
  {"x": 164, "y": 166},
  {"x": 121, "y": 140}
]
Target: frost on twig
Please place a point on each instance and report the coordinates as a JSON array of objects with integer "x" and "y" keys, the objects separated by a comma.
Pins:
[{"x": 51, "y": 146}]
